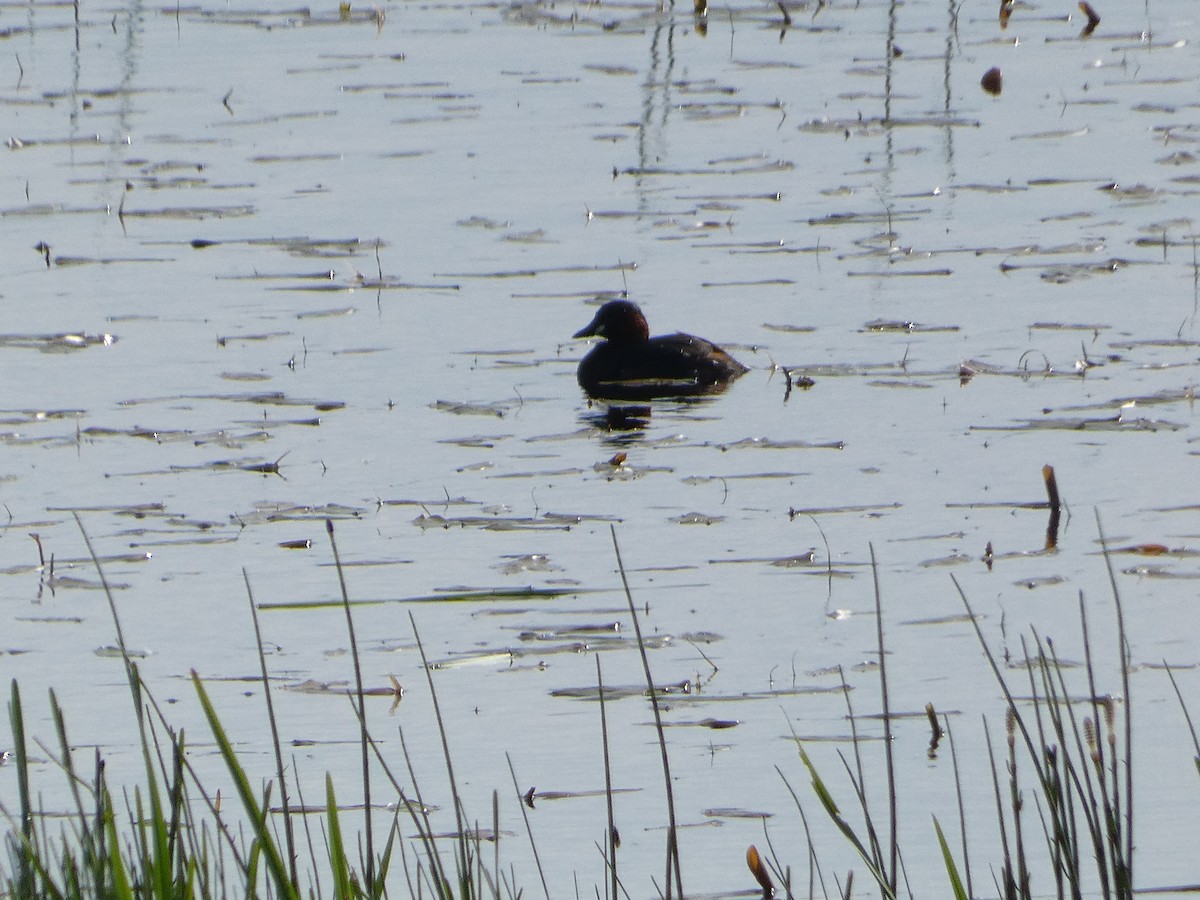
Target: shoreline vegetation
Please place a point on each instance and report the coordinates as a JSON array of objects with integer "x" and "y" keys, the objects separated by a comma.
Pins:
[{"x": 1067, "y": 751}]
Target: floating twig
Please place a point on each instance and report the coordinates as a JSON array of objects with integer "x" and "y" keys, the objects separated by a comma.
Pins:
[
  {"x": 1055, "y": 506},
  {"x": 935, "y": 730},
  {"x": 1092, "y": 18}
]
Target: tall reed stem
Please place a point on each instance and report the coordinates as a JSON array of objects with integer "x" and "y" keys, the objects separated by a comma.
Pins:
[
  {"x": 361, "y": 711},
  {"x": 673, "y": 867}
]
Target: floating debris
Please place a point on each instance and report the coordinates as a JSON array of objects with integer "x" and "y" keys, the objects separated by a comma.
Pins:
[
  {"x": 531, "y": 562},
  {"x": 498, "y": 410},
  {"x": 479, "y": 595},
  {"x": 1093, "y": 19},
  {"x": 992, "y": 81},
  {"x": 56, "y": 343},
  {"x": 696, "y": 518}
]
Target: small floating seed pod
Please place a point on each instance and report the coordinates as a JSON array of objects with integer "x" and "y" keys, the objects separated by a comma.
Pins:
[{"x": 992, "y": 81}]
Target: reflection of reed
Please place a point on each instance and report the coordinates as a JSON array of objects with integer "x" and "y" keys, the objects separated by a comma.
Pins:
[
  {"x": 656, "y": 101},
  {"x": 129, "y": 56},
  {"x": 952, "y": 7},
  {"x": 891, "y": 54},
  {"x": 889, "y": 62}
]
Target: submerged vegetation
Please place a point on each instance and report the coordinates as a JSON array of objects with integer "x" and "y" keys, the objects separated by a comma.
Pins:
[{"x": 169, "y": 837}]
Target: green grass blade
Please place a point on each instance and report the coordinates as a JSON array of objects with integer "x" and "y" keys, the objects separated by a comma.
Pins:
[
  {"x": 819, "y": 787},
  {"x": 831, "y": 808},
  {"x": 379, "y": 888},
  {"x": 252, "y": 865},
  {"x": 16, "y": 717},
  {"x": 275, "y": 863},
  {"x": 342, "y": 884},
  {"x": 956, "y": 884},
  {"x": 118, "y": 877}
]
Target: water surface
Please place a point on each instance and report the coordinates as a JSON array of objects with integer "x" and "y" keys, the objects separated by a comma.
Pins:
[{"x": 306, "y": 266}]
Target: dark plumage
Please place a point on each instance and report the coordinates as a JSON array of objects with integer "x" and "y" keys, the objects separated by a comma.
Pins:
[{"x": 631, "y": 365}]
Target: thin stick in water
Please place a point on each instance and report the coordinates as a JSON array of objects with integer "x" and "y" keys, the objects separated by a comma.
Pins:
[
  {"x": 288, "y": 830},
  {"x": 611, "y": 840},
  {"x": 360, "y": 710},
  {"x": 672, "y": 822}
]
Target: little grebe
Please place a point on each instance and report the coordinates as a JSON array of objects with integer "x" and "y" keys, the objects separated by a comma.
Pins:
[{"x": 631, "y": 365}]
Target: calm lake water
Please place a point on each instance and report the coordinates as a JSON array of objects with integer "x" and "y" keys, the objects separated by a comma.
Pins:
[{"x": 268, "y": 267}]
